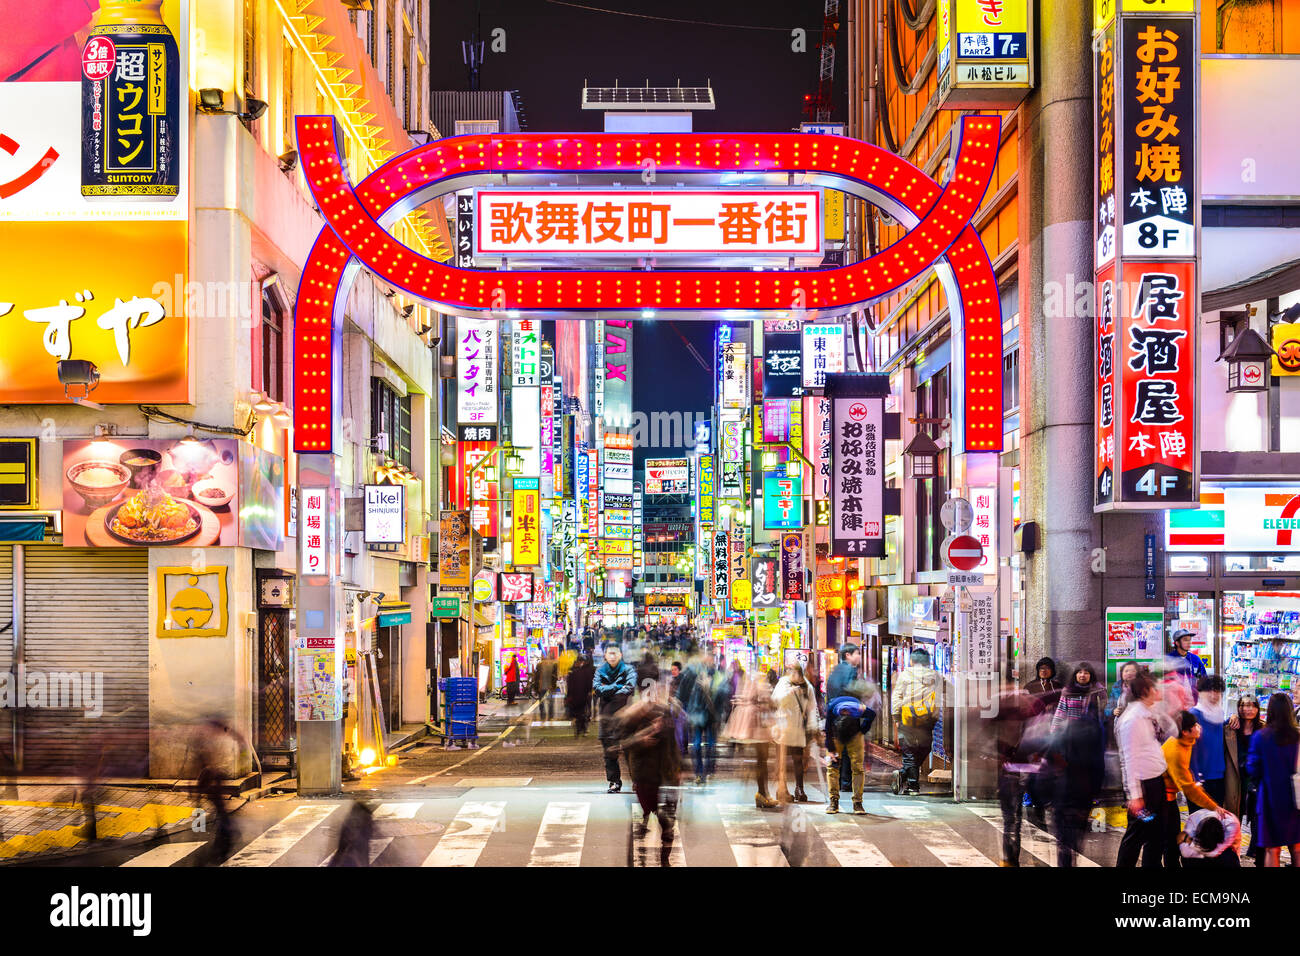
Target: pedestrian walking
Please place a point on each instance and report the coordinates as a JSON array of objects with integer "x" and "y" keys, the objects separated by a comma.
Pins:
[
  {"x": 1240, "y": 796},
  {"x": 647, "y": 670},
  {"x": 1076, "y": 758},
  {"x": 1019, "y": 731},
  {"x": 796, "y": 726},
  {"x": 703, "y": 695},
  {"x": 1144, "y": 776},
  {"x": 915, "y": 710},
  {"x": 512, "y": 679},
  {"x": 354, "y": 837},
  {"x": 1209, "y": 762},
  {"x": 577, "y": 694},
  {"x": 547, "y": 680},
  {"x": 1273, "y": 764},
  {"x": 750, "y": 725},
  {"x": 614, "y": 683},
  {"x": 647, "y": 737},
  {"x": 1178, "y": 776}
]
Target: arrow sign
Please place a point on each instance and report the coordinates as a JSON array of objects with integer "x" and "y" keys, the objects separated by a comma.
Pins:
[{"x": 962, "y": 552}]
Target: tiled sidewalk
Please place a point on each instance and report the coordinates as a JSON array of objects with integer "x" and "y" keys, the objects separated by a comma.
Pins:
[{"x": 36, "y": 820}]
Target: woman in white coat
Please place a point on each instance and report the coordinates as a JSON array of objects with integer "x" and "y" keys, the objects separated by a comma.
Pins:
[{"x": 797, "y": 725}]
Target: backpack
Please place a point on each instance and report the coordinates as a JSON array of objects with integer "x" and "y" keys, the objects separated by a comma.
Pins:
[{"x": 920, "y": 711}]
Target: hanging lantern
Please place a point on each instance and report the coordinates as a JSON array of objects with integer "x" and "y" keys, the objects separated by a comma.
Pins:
[
  {"x": 1248, "y": 357},
  {"x": 922, "y": 455}
]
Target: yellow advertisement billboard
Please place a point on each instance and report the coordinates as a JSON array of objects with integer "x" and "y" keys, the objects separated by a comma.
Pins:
[{"x": 94, "y": 205}]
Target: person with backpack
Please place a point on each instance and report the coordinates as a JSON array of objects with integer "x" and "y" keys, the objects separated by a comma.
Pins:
[
  {"x": 844, "y": 681},
  {"x": 915, "y": 710},
  {"x": 614, "y": 683},
  {"x": 703, "y": 695}
]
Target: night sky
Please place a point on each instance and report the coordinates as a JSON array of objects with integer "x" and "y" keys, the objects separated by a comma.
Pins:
[{"x": 741, "y": 47}]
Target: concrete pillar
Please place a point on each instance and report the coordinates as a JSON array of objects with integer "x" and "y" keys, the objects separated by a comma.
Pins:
[{"x": 1065, "y": 597}]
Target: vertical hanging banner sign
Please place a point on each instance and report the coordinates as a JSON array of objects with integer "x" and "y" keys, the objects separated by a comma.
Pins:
[
  {"x": 465, "y": 230},
  {"x": 793, "y": 582},
  {"x": 593, "y": 483},
  {"x": 721, "y": 567},
  {"x": 823, "y": 353},
  {"x": 782, "y": 364},
  {"x": 1146, "y": 230},
  {"x": 857, "y": 464},
  {"x": 526, "y": 352},
  {"x": 526, "y": 527}
]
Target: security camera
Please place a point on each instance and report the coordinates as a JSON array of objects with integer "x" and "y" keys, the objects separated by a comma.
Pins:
[{"x": 74, "y": 372}]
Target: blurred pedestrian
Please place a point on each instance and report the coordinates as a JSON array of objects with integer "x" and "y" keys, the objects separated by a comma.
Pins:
[
  {"x": 750, "y": 725},
  {"x": 703, "y": 694},
  {"x": 796, "y": 726},
  {"x": 1120, "y": 694},
  {"x": 1077, "y": 758},
  {"x": 577, "y": 696},
  {"x": 355, "y": 836},
  {"x": 1273, "y": 764},
  {"x": 546, "y": 677},
  {"x": 1019, "y": 735},
  {"x": 915, "y": 709},
  {"x": 512, "y": 679},
  {"x": 647, "y": 737},
  {"x": 614, "y": 683},
  {"x": 214, "y": 750},
  {"x": 647, "y": 669},
  {"x": 1209, "y": 754},
  {"x": 1178, "y": 776},
  {"x": 1144, "y": 777}
]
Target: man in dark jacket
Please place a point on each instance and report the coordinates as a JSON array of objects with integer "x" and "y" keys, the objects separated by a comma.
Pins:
[
  {"x": 613, "y": 685},
  {"x": 1046, "y": 686},
  {"x": 547, "y": 678},
  {"x": 577, "y": 695},
  {"x": 844, "y": 680},
  {"x": 647, "y": 730}
]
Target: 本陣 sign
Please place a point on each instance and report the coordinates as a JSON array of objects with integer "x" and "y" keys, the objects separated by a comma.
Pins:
[
  {"x": 857, "y": 465},
  {"x": 984, "y": 52},
  {"x": 513, "y": 222},
  {"x": 1146, "y": 334}
]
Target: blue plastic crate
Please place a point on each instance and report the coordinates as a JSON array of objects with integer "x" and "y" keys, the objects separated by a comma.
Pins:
[
  {"x": 461, "y": 689},
  {"x": 462, "y": 712}
]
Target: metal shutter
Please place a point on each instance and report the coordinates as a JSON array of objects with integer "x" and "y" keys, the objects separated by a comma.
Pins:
[
  {"x": 7, "y": 637},
  {"x": 87, "y": 609}
]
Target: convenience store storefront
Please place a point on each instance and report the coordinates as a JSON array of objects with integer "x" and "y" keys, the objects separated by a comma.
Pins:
[{"x": 1233, "y": 578}]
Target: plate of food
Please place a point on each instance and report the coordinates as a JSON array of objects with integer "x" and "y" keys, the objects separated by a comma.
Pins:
[{"x": 153, "y": 518}]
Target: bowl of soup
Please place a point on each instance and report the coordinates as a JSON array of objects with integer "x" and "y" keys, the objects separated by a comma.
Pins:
[
  {"x": 143, "y": 463},
  {"x": 98, "y": 482}
]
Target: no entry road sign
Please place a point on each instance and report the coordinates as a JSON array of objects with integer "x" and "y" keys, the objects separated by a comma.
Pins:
[{"x": 962, "y": 552}]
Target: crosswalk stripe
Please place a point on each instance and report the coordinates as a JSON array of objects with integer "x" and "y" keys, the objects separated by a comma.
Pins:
[
  {"x": 845, "y": 841},
  {"x": 1037, "y": 843},
  {"x": 949, "y": 846},
  {"x": 404, "y": 810},
  {"x": 750, "y": 834},
  {"x": 468, "y": 834},
  {"x": 560, "y": 838},
  {"x": 283, "y": 836},
  {"x": 168, "y": 854}
]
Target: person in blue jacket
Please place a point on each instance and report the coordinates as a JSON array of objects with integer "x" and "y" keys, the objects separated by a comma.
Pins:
[
  {"x": 1272, "y": 762},
  {"x": 1209, "y": 762},
  {"x": 613, "y": 686}
]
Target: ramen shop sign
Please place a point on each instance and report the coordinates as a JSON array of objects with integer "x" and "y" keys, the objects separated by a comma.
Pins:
[{"x": 637, "y": 221}]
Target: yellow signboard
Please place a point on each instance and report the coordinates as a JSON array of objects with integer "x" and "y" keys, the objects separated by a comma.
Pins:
[
  {"x": 192, "y": 603},
  {"x": 1286, "y": 343},
  {"x": 526, "y": 527},
  {"x": 984, "y": 53},
  {"x": 614, "y": 546},
  {"x": 741, "y": 594},
  {"x": 834, "y": 226}
]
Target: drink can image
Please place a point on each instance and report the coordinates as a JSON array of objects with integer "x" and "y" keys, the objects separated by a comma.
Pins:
[{"x": 130, "y": 105}]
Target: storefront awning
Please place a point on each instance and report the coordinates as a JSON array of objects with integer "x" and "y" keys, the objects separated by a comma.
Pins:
[
  {"x": 25, "y": 529},
  {"x": 876, "y": 627},
  {"x": 393, "y": 613}
]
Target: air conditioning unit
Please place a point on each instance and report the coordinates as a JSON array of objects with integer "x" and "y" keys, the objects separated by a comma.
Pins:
[{"x": 446, "y": 366}]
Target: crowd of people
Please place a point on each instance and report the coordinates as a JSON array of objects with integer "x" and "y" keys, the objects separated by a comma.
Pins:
[{"x": 1058, "y": 742}]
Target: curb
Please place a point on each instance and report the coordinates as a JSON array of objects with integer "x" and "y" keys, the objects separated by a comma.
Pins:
[{"x": 149, "y": 836}]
